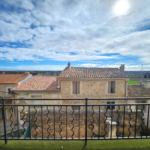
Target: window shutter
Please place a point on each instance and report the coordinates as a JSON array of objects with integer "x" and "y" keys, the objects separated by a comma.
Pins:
[
  {"x": 114, "y": 86},
  {"x": 8, "y": 91},
  {"x": 74, "y": 87},
  {"x": 113, "y": 107},
  {"x": 109, "y": 86},
  {"x": 108, "y": 107},
  {"x": 78, "y": 87}
]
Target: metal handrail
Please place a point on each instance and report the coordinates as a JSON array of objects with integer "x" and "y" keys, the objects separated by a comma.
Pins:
[
  {"x": 128, "y": 98},
  {"x": 62, "y": 110}
]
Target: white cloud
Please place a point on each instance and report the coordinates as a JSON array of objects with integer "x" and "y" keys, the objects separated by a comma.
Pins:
[
  {"x": 21, "y": 54},
  {"x": 86, "y": 28},
  {"x": 26, "y": 4},
  {"x": 61, "y": 67},
  {"x": 35, "y": 67},
  {"x": 117, "y": 65}
]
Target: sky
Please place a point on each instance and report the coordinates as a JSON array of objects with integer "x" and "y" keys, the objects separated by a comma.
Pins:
[{"x": 47, "y": 34}]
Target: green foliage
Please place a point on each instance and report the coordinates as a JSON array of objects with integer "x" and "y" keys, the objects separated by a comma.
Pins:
[{"x": 133, "y": 82}]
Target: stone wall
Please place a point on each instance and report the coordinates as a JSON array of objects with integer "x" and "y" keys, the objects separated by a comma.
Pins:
[
  {"x": 73, "y": 125},
  {"x": 88, "y": 89},
  {"x": 74, "y": 121},
  {"x": 3, "y": 91},
  {"x": 45, "y": 95},
  {"x": 4, "y": 94},
  {"x": 91, "y": 89}
]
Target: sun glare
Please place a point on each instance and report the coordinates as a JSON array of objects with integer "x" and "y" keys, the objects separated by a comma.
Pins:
[{"x": 121, "y": 7}]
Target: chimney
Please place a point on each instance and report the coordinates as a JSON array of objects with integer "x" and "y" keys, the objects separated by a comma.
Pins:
[
  {"x": 69, "y": 66},
  {"x": 26, "y": 73},
  {"x": 122, "y": 68}
]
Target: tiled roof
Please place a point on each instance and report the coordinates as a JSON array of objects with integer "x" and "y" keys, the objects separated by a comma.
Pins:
[
  {"x": 38, "y": 83},
  {"x": 138, "y": 91},
  {"x": 82, "y": 72},
  {"x": 12, "y": 78}
]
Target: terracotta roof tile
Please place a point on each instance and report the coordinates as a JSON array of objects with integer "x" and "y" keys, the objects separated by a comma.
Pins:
[
  {"x": 12, "y": 78},
  {"x": 138, "y": 91},
  {"x": 38, "y": 83},
  {"x": 82, "y": 72}
]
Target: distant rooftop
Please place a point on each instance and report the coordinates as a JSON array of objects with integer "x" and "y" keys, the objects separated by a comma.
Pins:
[
  {"x": 38, "y": 83},
  {"x": 13, "y": 78},
  {"x": 138, "y": 91}
]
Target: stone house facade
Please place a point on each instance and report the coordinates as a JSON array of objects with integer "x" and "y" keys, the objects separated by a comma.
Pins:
[
  {"x": 38, "y": 87},
  {"x": 7, "y": 82},
  {"x": 76, "y": 83},
  {"x": 136, "y": 91},
  {"x": 80, "y": 82}
]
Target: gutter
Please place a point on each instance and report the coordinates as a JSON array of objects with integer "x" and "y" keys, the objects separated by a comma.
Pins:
[
  {"x": 35, "y": 91},
  {"x": 127, "y": 79}
]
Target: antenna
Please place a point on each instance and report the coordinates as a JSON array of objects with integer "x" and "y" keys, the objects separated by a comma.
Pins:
[
  {"x": 141, "y": 82},
  {"x": 141, "y": 71}
]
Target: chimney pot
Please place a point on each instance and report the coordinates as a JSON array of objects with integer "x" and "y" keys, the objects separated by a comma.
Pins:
[
  {"x": 26, "y": 73},
  {"x": 69, "y": 65}
]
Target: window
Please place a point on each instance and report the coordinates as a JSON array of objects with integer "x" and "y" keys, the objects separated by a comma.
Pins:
[
  {"x": 36, "y": 102},
  {"x": 111, "y": 86},
  {"x": 8, "y": 90},
  {"x": 110, "y": 106},
  {"x": 76, "y": 87},
  {"x": 21, "y": 99}
]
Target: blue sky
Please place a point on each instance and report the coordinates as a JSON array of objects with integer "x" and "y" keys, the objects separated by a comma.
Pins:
[{"x": 47, "y": 34}]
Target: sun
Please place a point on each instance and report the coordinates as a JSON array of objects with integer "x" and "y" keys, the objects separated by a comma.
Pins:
[{"x": 121, "y": 7}]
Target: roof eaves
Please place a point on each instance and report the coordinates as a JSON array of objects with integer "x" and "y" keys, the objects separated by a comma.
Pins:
[
  {"x": 8, "y": 83},
  {"x": 93, "y": 78},
  {"x": 35, "y": 90}
]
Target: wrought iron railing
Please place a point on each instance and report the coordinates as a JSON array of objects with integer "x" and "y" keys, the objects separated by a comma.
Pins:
[{"x": 84, "y": 121}]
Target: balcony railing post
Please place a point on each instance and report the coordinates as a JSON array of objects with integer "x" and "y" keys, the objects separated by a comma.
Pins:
[
  {"x": 4, "y": 118},
  {"x": 86, "y": 121}
]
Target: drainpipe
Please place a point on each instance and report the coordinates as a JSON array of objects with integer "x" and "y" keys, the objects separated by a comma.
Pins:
[
  {"x": 14, "y": 112},
  {"x": 125, "y": 94}
]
